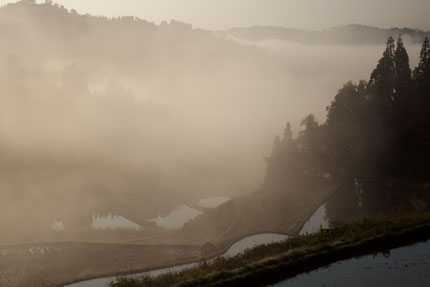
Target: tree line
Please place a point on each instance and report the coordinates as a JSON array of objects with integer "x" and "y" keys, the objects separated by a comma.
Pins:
[{"x": 375, "y": 128}]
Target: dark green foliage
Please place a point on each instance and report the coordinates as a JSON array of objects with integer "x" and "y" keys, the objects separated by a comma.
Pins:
[
  {"x": 347, "y": 119},
  {"x": 422, "y": 74},
  {"x": 381, "y": 86},
  {"x": 403, "y": 83},
  {"x": 379, "y": 128}
]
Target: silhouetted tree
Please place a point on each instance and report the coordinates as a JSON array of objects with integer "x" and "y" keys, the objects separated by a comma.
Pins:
[
  {"x": 403, "y": 82},
  {"x": 276, "y": 144},
  {"x": 312, "y": 147},
  {"x": 372, "y": 129},
  {"x": 308, "y": 138},
  {"x": 347, "y": 128},
  {"x": 284, "y": 164},
  {"x": 422, "y": 72},
  {"x": 288, "y": 134},
  {"x": 382, "y": 82}
]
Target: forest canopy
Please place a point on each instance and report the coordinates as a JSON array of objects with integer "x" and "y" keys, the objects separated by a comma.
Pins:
[{"x": 378, "y": 128}]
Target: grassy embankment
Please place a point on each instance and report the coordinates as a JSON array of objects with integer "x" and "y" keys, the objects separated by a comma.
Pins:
[{"x": 274, "y": 262}]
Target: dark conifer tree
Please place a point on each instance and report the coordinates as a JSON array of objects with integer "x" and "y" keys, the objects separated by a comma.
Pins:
[
  {"x": 373, "y": 129},
  {"x": 347, "y": 128},
  {"x": 287, "y": 139},
  {"x": 422, "y": 72},
  {"x": 308, "y": 138},
  {"x": 403, "y": 83},
  {"x": 381, "y": 85},
  {"x": 276, "y": 144}
]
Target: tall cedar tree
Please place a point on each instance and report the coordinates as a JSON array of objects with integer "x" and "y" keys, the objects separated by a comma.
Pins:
[
  {"x": 422, "y": 72},
  {"x": 382, "y": 82},
  {"x": 375, "y": 129},
  {"x": 403, "y": 83}
]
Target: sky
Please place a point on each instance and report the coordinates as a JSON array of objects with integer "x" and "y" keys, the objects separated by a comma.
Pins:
[{"x": 225, "y": 14}]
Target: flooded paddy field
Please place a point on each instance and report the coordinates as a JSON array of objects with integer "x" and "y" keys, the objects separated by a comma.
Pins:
[{"x": 54, "y": 263}]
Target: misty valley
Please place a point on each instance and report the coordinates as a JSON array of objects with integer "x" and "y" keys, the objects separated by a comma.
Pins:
[{"x": 135, "y": 153}]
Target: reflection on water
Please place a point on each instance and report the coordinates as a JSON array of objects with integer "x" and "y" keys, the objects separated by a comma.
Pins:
[
  {"x": 405, "y": 266},
  {"x": 360, "y": 198},
  {"x": 177, "y": 218},
  {"x": 252, "y": 241},
  {"x": 317, "y": 221},
  {"x": 113, "y": 222}
]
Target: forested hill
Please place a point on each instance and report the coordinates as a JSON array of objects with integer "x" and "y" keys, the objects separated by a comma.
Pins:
[
  {"x": 352, "y": 34},
  {"x": 48, "y": 30},
  {"x": 378, "y": 128},
  {"x": 77, "y": 98},
  {"x": 377, "y": 132}
]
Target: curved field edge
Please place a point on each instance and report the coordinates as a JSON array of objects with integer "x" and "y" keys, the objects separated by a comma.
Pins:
[{"x": 275, "y": 262}]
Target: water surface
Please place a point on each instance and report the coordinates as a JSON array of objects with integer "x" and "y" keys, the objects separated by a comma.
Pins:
[
  {"x": 177, "y": 218},
  {"x": 102, "y": 282},
  {"x": 404, "y": 266},
  {"x": 113, "y": 222},
  {"x": 237, "y": 248},
  {"x": 252, "y": 241},
  {"x": 317, "y": 221}
]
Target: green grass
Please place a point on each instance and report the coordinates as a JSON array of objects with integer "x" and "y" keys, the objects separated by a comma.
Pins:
[{"x": 268, "y": 263}]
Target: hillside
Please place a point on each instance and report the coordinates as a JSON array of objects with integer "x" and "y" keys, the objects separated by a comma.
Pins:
[
  {"x": 132, "y": 45},
  {"x": 352, "y": 34},
  {"x": 98, "y": 116},
  {"x": 373, "y": 149},
  {"x": 281, "y": 210}
]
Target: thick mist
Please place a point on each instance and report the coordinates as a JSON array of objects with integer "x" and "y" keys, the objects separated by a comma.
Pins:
[{"x": 105, "y": 115}]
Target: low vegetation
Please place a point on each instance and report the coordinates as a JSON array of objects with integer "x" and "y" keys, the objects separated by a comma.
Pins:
[{"x": 273, "y": 262}]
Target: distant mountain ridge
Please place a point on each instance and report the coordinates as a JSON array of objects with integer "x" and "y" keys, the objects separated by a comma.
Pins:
[
  {"x": 47, "y": 22},
  {"x": 129, "y": 44},
  {"x": 352, "y": 34}
]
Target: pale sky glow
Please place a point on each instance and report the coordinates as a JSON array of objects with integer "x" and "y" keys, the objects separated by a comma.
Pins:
[{"x": 224, "y": 14}]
